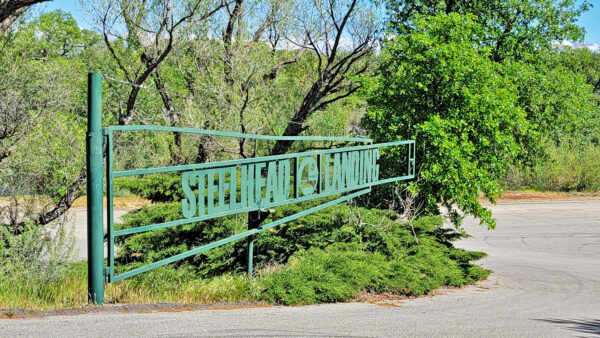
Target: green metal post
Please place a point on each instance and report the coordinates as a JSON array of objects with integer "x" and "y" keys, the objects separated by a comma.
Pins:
[
  {"x": 254, "y": 222},
  {"x": 250, "y": 254},
  {"x": 95, "y": 230}
]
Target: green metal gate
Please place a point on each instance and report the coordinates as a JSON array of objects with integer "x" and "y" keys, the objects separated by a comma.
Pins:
[{"x": 348, "y": 172}]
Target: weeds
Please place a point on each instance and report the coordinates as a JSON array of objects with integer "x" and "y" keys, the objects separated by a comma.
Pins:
[
  {"x": 566, "y": 169},
  {"x": 37, "y": 269},
  {"x": 41, "y": 254}
]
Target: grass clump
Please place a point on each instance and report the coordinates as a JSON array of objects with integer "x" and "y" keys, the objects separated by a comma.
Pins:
[
  {"x": 567, "y": 168},
  {"x": 37, "y": 269},
  {"x": 166, "y": 284},
  {"x": 67, "y": 291}
]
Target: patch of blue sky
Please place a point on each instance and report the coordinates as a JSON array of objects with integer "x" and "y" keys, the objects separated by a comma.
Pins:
[{"x": 590, "y": 20}]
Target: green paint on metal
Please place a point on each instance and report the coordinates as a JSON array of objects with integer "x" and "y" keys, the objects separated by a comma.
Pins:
[
  {"x": 219, "y": 189},
  {"x": 237, "y": 135},
  {"x": 95, "y": 240},
  {"x": 249, "y": 209},
  {"x": 235, "y": 237},
  {"x": 251, "y": 160},
  {"x": 109, "y": 208}
]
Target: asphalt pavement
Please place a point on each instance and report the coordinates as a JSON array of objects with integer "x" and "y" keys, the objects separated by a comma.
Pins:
[{"x": 546, "y": 258}]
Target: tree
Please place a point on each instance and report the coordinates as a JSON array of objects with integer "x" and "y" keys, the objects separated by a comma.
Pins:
[
  {"x": 439, "y": 85},
  {"x": 151, "y": 30},
  {"x": 582, "y": 61},
  {"x": 326, "y": 26},
  {"x": 323, "y": 45},
  {"x": 42, "y": 85},
  {"x": 11, "y": 10},
  {"x": 558, "y": 102},
  {"x": 513, "y": 28}
]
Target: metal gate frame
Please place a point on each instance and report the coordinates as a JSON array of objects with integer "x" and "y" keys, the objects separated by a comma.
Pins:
[{"x": 98, "y": 138}]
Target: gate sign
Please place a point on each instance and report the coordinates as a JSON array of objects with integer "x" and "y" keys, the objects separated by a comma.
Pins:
[
  {"x": 268, "y": 183},
  {"x": 218, "y": 189}
]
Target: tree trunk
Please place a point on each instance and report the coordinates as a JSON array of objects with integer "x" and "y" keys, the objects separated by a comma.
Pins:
[{"x": 11, "y": 10}]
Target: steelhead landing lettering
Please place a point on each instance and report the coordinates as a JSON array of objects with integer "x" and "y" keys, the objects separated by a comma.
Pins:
[{"x": 269, "y": 183}]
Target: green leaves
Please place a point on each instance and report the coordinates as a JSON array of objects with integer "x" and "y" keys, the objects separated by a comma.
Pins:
[
  {"x": 479, "y": 85},
  {"x": 451, "y": 97},
  {"x": 512, "y": 29}
]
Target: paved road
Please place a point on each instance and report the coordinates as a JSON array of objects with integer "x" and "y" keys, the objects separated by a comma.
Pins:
[
  {"x": 80, "y": 231},
  {"x": 547, "y": 283}
]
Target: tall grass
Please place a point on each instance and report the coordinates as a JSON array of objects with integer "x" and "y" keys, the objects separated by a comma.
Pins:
[
  {"x": 35, "y": 262},
  {"x": 161, "y": 285},
  {"x": 566, "y": 169}
]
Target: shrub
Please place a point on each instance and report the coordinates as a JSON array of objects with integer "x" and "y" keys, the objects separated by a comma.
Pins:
[
  {"x": 327, "y": 256},
  {"x": 40, "y": 255},
  {"x": 156, "y": 187},
  {"x": 36, "y": 267},
  {"x": 340, "y": 271},
  {"x": 567, "y": 168}
]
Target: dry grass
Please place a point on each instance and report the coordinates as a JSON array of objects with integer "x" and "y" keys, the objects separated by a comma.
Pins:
[
  {"x": 125, "y": 202},
  {"x": 534, "y": 195}
]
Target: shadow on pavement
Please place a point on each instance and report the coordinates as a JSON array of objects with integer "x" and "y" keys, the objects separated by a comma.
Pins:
[
  {"x": 267, "y": 333},
  {"x": 580, "y": 325}
]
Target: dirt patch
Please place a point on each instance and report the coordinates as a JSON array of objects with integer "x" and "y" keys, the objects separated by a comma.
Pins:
[
  {"x": 532, "y": 195},
  {"x": 380, "y": 298},
  {"x": 393, "y": 300},
  {"x": 125, "y": 202},
  {"x": 127, "y": 308}
]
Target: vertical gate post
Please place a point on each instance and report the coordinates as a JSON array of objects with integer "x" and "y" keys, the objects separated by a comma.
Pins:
[
  {"x": 95, "y": 228},
  {"x": 253, "y": 223}
]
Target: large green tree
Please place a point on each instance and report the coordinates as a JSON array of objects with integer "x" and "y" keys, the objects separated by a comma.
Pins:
[
  {"x": 477, "y": 83},
  {"x": 438, "y": 85}
]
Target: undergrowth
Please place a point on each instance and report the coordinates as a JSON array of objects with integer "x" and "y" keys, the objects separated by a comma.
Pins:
[
  {"x": 567, "y": 168},
  {"x": 328, "y": 256},
  {"x": 320, "y": 258}
]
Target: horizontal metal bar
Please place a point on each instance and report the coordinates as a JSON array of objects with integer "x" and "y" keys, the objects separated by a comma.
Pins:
[
  {"x": 314, "y": 209},
  {"x": 235, "y": 237},
  {"x": 184, "y": 221},
  {"x": 235, "y": 134},
  {"x": 186, "y": 167}
]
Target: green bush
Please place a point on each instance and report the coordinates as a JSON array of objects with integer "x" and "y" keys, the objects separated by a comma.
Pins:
[
  {"x": 340, "y": 271},
  {"x": 377, "y": 256},
  {"x": 327, "y": 256},
  {"x": 156, "y": 187},
  {"x": 37, "y": 269},
  {"x": 567, "y": 168},
  {"x": 39, "y": 255}
]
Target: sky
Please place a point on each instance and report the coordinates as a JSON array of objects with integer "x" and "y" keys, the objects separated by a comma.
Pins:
[{"x": 589, "y": 20}]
